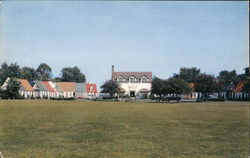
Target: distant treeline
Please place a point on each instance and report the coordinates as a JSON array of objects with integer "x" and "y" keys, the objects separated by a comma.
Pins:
[
  {"x": 42, "y": 72},
  {"x": 201, "y": 82}
]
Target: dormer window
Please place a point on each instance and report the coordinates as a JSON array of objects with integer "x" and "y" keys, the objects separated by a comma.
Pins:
[
  {"x": 120, "y": 79},
  {"x": 132, "y": 79},
  {"x": 144, "y": 79}
]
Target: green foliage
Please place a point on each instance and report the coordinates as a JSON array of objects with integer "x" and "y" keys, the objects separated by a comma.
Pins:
[
  {"x": 61, "y": 98},
  {"x": 44, "y": 72},
  {"x": 188, "y": 74},
  {"x": 170, "y": 86},
  {"x": 157, "y": 86},
  {"x": 247, "y": 86},
  {"x": 29, "y": 73},
  {"x": 177, "y": 86},
  {"x": 12, "y": 70},
  {"x": 11, "y": 91},
  {"x": 110, "y": 87},
  {"x": 126, "y": 96},
  {"x": 225, "y": 78},
  {"x": 151, "y": 96},
  {"x": 145, "y": 96},
  {"x": 57, "y": 79},
  {"x": 72, "y": 75},
  {"x": 206, "y": 84}
]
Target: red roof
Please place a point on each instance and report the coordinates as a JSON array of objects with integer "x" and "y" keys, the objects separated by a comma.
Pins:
[
  {"x": 25, "y": 84},
  {"x": 239, "y": 87},
  {"x": 47, "y": 85},
  {"x": 91, "y": 88}
]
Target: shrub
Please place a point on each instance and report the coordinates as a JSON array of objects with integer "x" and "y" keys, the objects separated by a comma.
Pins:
[
  {"x": 151, "y": 96},
  {"x": 61, "y": 98},
  {"x": 145, "y": 96}
]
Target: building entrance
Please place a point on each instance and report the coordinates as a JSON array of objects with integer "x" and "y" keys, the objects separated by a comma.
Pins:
[{"x": 132, "y": 93}]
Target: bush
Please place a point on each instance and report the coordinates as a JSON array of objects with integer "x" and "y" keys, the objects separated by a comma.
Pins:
[
  {"x": 239, "y": 99},
  {"x": 200, "y": 99},
  {"x": 151, "y": 96},
  {"x": 125, "y": 96},
  {"x": 61, "y": 98},
  {"x": 210, "y": 99},
  {"x": 217, "y": 99},
  {"x": 145, "y": 96}
]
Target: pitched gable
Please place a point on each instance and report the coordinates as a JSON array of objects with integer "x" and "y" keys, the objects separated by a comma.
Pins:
[
  {"x": 127, "y": 75},
  {"x": 91, "y": 88},
  {"x": 80, "y": 87},
  {"x": 47, "y": 86},
  {"x": 67, "y": 86},
  {"x": 25, "y": 85},
  {"x": 239, "y": 87}
]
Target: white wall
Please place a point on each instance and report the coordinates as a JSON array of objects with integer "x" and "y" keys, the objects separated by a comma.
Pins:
[{"x": 135, "y": 87}]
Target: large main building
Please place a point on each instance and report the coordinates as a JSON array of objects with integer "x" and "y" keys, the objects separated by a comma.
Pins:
[{"x": 133, "y": 83}]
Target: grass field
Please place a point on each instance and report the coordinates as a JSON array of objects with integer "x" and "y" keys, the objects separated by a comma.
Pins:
[{"x": 88, "y": 129}]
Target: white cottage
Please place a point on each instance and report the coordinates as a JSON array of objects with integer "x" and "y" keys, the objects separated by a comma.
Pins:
[{"x": 133, "y": 83}]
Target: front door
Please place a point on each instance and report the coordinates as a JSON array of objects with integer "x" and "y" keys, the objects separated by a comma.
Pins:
[{"x": 132, "y": 93}]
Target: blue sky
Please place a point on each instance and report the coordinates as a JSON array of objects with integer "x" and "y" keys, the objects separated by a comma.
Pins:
[{"x": 134, "y": 36}]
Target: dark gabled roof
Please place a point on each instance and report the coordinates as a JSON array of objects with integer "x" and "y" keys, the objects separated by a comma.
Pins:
[
  {"x": 230, "y": 87},
  {"x": 32, "y": 83},
  {"x": 40, "y": 85},
  {"x": 127, "y": 75},
  {"x": 80, "y": 87}
]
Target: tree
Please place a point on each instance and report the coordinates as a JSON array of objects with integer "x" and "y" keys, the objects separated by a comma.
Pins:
[
  {"x": 57, "y": 79},
  {"x": 29, "y": 73},
  {"x": 188, "y": 74},
  {"x": 247, "y": 81},
  {"x": 170, "y": 86},
  {"x": 247, "y": 86},
  {"x": 44, "y": 72},
  {"x": 177, "y": 86},
  {"x": 73, "y": 75},
  {"x": 110, "y": 87},
  {"x": 205, "y": 84},
  {"x": 11, "y": 91},
  {"x": 12, "y": 70},
  {"x": 157, "y": 86},
  {"x": 228, "y": 77}
]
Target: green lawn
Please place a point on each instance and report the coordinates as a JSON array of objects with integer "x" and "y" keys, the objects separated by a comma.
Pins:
[{"x": 88, "y": 129}]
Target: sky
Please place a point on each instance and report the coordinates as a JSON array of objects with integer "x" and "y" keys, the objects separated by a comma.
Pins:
[{"x": 160, "y": 37}]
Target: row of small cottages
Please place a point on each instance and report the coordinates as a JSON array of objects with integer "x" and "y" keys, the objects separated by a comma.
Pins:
[
  {"x": 234, "y": 91},
  {"x": 51, "y": 89}
]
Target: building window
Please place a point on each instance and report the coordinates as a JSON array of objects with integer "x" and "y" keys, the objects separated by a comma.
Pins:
[
  {"x": 120, "y": 79},
  {"x": 144, "y": 79},
  {"x": 132, "y": 79}
]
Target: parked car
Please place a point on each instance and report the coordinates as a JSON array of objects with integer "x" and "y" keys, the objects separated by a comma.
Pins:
[
  {"x": 139, "y": 97},
  {"x": 211, "y": 97}
]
